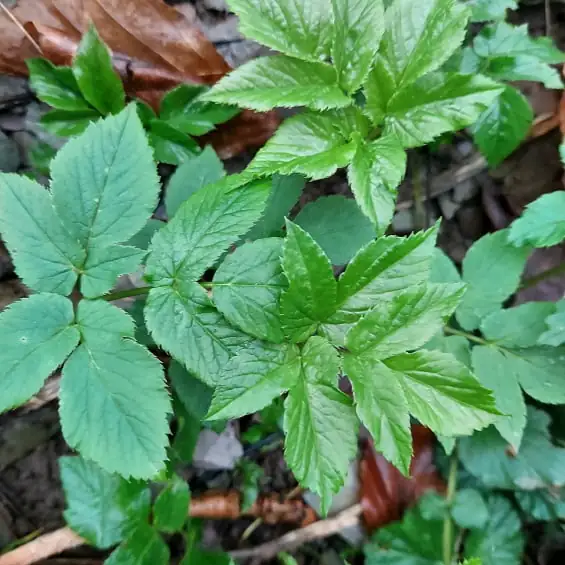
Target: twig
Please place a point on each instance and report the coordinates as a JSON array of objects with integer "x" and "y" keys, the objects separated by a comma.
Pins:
[
  {"x": 447, "y": 542},
  {"x": 20, "y": 26},
  {"x": 296, "y": 538}
]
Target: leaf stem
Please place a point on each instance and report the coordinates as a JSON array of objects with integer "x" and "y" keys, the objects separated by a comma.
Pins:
[
  {"x": 467, "y": 335},
  {"x": 553, "y": 272},
  {"x": 127, "y": 293},
  {"x": 447, "y": 520}
]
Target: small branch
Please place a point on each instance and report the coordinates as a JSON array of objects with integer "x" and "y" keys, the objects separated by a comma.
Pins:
[
  {"x": 127, "y": 293},
  {"x": 296, "y": 538},
  {"x": 447, "y": 542},
  {"x": 467, "y": 335}
]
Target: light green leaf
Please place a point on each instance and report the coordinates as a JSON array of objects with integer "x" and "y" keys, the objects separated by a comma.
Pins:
[
  {"x": 337, "y": 225},
  {"x": 454, "y": 344},
  {"x": 443, "y": 270},
  {"x": 555, "y": 334},
  {"x": 64, "y": 123},
  {"x": 358, "y": 28},
  {"x": 503, "y": 126},
  {"x": 280, "y": 81},
  {"x": 247, "y": 287},
  {"x": 194, "y": 395},
  {"x": 297, "y": 29},
  {"x": 312, "y": 291},
  {"x": 538, "y": 464},
  {"x": 374, "y": 174},
  {"x": 191, "y": 176},
  {"x": 501, "y": 542},
  {"x": 524, "y": 67},
  {"x": 100, "y": 322},
  {"x": 44, "y": 253},
  {"x": 37, "y": 335},
  {"x": 183, "y": 322},
  {"x": 104, "y": 183},
  {"x": 542, "y": 224},
  {"x": 309, "y": 143},
  {"x": 405, "y": 322},
  {"x": 144, "y": 546},
  {"x": 55, "y": 85},
  {"x": 114, "y": 405},
  {"x": 101, "y": 507},
  {"x": 494, "y": 371},
  {"x": 253, "y": 378},
  {"x": 203, "y": 228},
  {"x": 438, "y": 103},
  {"x": 490, "y": 258},
  {"x": 379, "y": 87},
  {"x": 99, "y": 83},
  {"x": 319, "y": 423},
  {"x": 421, "y": 35},
  {"x": 171, "y": 145},
  {"x": 469, "y": 509},
  {"x": 170, "y": 510},
  {"x": 487, "y": 10}
]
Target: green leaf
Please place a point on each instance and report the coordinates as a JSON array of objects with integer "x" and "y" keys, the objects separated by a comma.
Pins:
[
  {"x": 501, "y": 542},
  {"x": 183, "y": 322},
  {"x": 99, "y": 322},
  {"x": 404, "y": 322},
  {"x": 492, "y": 368},
  {"x": 454, "y": 344},
  {"x": 542, "y": 505},
  {"x": 337, "y": 225},
  {"x": 284, "y": 195},
  {"x": 421, "y": 35},
  {"x": 503, "y": 126},
  {"x": 195, "y": 395},
  {"x": 436, "y": 104},
  {"x": 374, "y": 174},
  {"x": 358, "y": 28},
  {"x": 319, "y": 423},
  {"x": 247, "y": 287},
  {"x": 555, "y": 334},
  {"x": 186, "y": 435},
  {"x": 251, "y": 475},
  {"x": 143, "y": 547},
  {"x": 309, "y": 143},
  {"x": 170, "y": 510},
  {"x": 37, "y": 335},
  {"x": 294, "y": 28},
  {"x": 490, "y": 258},
  {"x": 191, "y": 176},
  {"x": 114, "y": 405},
  {"x": 203, "y": 228},
  {"x": 142, "y": 239},
  {"x": 542, "y": 224},
  {"x": 170, "y": 145},
  {"x": 280, "y": 81},
  {"x": 253, "y": 378},
  {"x": 101, "y": 507},
  {"x": 379, "y": 88},
  {"x": 44, "y": 253},
  {"x": 104, "y": 183},
  {"x": 55, "y": 85},
  {"x": 443, "y": 270},
  {"x": 538, "y": 464},
  {"x": 469, "y": 509},
  {"x": 312, "y": 291},
  {"x": 64, "y": 123},
  {"x": 487, "y": 10},
  {"x": 99, "y": 83},
  {"x": 524, "y": 67},
  {"x": 174, "y": 101}
]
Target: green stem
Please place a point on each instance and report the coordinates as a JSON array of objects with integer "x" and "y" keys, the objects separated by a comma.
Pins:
[
  {"x": 532, "y": 281},
  {"x": 467, "y": 335},
  {"x": 119, "y": 294},
  {"x": 447, "y": 521}
]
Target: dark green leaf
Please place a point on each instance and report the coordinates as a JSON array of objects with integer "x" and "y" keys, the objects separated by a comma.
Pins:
[
  {"x": 544, "y": 505},
  {"x": 143, "y": 547},
  {"x": 171, "y": 145},
  {"x": 251, "y": 475},
  {"x": 195, "y": 395},
  {"x": 65, "y": 123},
  {"x": 524, "y": 67},
  {"x": 170, "y": 509},
  {"x": 469, "y": 509}
]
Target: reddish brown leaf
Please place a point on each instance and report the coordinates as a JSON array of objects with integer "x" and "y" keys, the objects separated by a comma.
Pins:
[{"x": 385, "y": 492}]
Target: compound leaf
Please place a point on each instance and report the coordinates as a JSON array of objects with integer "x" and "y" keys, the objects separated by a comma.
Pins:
[
  {"x": 247, "y": 286},
  {"x": 104, "y": 183},
  {"x": 170, "y": 510},
  {"x": 37, "y": 335}
]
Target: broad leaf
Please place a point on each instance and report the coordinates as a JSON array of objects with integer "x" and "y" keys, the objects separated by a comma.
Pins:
[
  {"x": 143, "y": 547},
  {"x": 555, "y": 334},
  {"x": 99, "y": 83},
  {"x": 55, "y": 86},
  {"x": 443, "y": 269},
  {"x": 421, "y": 35},
  {"x": 114, "y": 405},
  {"x": 487, "y": 10},
  {"x": 503, "y": 126},
  {"x": 191, "y": 176},
  {"x": 309, "y": 143},
  {"x": 253, "y": 378},
  {"x": 490, "y": 258},
  {"x": 358, "y": 28},
  {"x": 37, "y": 336},
  {"x": 100, "y": 322},
  {"x": 44, "y": 254},
  {"x": 542, "y": 224},
  {"x": 311, "y": 295},
  {"x": 374, "y": 174},
  {"x": 319, "y": 423},
  {"x": 170, "y": 510},
  {"x": 203, "y": 228},
  {"x": 438, "y": 103},
  {"x": 104, "y": 183},
  {"x": 171, "y": 145},
  {"x": 101, "y": 507},
  {"x": 298, "y": 29},
  {"x": 469, "y": 509},
  {"x": 538, "y": 464},
  {"x": 337, "y": 225},
  {"x": 247, "y": 287},
  {"x": 280, "y": 81}
]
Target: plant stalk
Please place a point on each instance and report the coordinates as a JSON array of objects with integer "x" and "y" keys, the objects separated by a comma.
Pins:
[
  {"x": 127, "y": 293},
  {"x": 467, "y": 335},
  {"x": 447, "y": 521}
]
